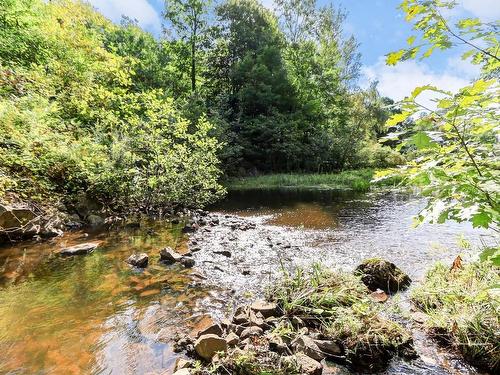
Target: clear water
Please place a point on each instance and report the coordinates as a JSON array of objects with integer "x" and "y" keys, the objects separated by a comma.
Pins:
[{"x": 94, "y": 314}]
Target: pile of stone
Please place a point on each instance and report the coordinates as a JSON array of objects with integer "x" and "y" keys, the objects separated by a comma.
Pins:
[{"x": 251, "y": 330}]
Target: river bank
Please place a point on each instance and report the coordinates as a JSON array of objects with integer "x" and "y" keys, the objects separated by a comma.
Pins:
[{"x": 359, "y": 180}]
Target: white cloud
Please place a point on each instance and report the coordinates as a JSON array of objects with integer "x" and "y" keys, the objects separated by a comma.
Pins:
[
  {"x": 140, "y": 10},
  {"x": 398, "y": 81},
  {"x": 486, "y": 10}
]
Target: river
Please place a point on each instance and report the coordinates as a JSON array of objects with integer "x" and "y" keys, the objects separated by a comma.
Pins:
[{"x": 95, "y": 314}]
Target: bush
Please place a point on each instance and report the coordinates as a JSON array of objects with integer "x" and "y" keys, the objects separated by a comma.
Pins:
[
  {"x": 375, "y": 155},
  {"x": 72, "y": 121}
]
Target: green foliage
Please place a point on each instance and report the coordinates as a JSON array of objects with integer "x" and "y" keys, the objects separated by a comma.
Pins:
[
  {"x": 455, "y": 143},
  {"x": 463, "y": 306},
  {"x": 87, "y": 111},
  {"x": 480, "y": 38}
]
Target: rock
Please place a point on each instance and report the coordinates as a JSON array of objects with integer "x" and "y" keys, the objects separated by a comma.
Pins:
[
  {"x": 379, "y": 296},
  {"x": 419, "y": 317},
  {"x": 381, "y": 274},
  {"x": 329, "y": 347},
  {"x": 12, "y": 217},
  {"x": 95, "y": 220},
  {"x": 276, "y": 344},
  {"x": 236, "y": 329},
  {"x": 307, "y": 346},
  {"x": 138, "y": 260},
  {"x": 226, "y": 253},
  {"x": 256, "y": 319},
  {"x": 182, "y": 363},
  {"x": 232, "y": 339},
  {"x": 267, "y": 309},
  {"x": 81, "y": 249},
  {"x": 214, "y": 329},
  {"x": 308, "y": 365},
  {"x": 187, "y": 262},
  {"x": 168, "y": 255},
  {"x": 207, "y": 345},
  {"x": 251, "y": 331},
  {"x": 50, "y": 232},
  {"x": 184, "y": 371},
  {"x": 190, "y": 228}
]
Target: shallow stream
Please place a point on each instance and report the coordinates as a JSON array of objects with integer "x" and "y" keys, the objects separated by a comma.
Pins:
[{"x": 94, "y": 314}]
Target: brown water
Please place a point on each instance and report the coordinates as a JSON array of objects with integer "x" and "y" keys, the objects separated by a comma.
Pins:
[{"x": 94, "y": 314}]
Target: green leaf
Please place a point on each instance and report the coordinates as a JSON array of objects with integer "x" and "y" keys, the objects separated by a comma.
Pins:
[
  {"x": 481, "y": 220},
  {"x": 491, "y": 254},
  {"x": 411, "y": 40},
  {"x": 421, "y": 140}
]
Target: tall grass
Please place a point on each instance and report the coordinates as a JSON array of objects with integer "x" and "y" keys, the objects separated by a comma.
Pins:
[
  {"x": 463, "y": 306},
  {"x": 357, "y": 180}
]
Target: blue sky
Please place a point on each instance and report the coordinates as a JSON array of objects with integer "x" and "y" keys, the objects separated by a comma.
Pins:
[{"x": 379, "y": 27}]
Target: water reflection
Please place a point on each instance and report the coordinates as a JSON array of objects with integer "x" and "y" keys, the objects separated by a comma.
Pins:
[{"x": 92, "y": 313}]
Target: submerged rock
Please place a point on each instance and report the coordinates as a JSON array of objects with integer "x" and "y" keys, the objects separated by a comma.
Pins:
[
  {"x": 381, "y": 274},
  {"x": 207, "y": 345},
  {"x": 138, "y": 260},
  {"x": 81, "y": 249}
]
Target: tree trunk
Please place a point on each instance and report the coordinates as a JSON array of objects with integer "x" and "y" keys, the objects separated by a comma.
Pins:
[{"x": 193, "y": 66}]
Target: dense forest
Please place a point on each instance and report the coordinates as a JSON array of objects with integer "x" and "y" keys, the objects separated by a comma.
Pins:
[{"x": 132, "y": 120}]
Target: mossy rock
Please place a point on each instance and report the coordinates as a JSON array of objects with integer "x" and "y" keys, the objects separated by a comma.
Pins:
[{"x": 381, "y": 274}]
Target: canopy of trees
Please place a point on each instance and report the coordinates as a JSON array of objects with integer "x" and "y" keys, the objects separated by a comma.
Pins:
[{"x": 133, "y": 120}]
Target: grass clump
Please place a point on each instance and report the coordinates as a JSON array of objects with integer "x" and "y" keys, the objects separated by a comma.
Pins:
[
  {"x": 257, "y": 362},
  {"x": 463, "y": 306},
  {"x": 357, "y": 180},
  {"x": 338, "y": 306}
]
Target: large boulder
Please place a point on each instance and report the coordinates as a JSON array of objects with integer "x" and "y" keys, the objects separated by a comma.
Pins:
[
  {"x": 138, "y": 260},
  {"x": 15, "y": 217},
  {"x": 381, "y": 274},
  {"x": 207, "y": 345},
  {"x": 81, "y": 249}
]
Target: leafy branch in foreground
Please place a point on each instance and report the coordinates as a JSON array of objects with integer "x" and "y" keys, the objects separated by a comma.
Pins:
[{"x": 457, "y": 142}]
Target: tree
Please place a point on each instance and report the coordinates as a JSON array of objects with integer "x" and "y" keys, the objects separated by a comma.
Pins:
[
  {"x": 189, "y": 20},
  {"x": 457, "y": 141}
]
